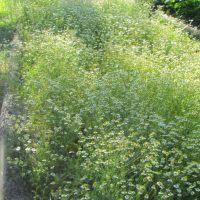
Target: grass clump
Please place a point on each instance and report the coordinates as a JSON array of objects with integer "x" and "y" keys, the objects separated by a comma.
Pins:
[{"x": 107, "y": 103}]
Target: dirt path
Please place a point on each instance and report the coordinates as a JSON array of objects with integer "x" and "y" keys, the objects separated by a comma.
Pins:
[
  {"x": 1, "y": 168},
  {"x": 2, "y": 147},
  {"x": 11, "y": 185}
]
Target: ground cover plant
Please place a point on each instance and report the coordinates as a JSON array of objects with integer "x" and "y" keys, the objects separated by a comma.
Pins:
[{"x": 107, "y": 102}]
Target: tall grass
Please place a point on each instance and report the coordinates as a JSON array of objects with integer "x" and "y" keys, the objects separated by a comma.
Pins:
[{"x": 108, "y": 102}]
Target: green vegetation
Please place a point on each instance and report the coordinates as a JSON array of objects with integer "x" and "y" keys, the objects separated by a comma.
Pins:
[
  {"x": 6, "y": 34},
  {"x": 107, "y": 102},
  {"x": 186, "y": 9}
]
